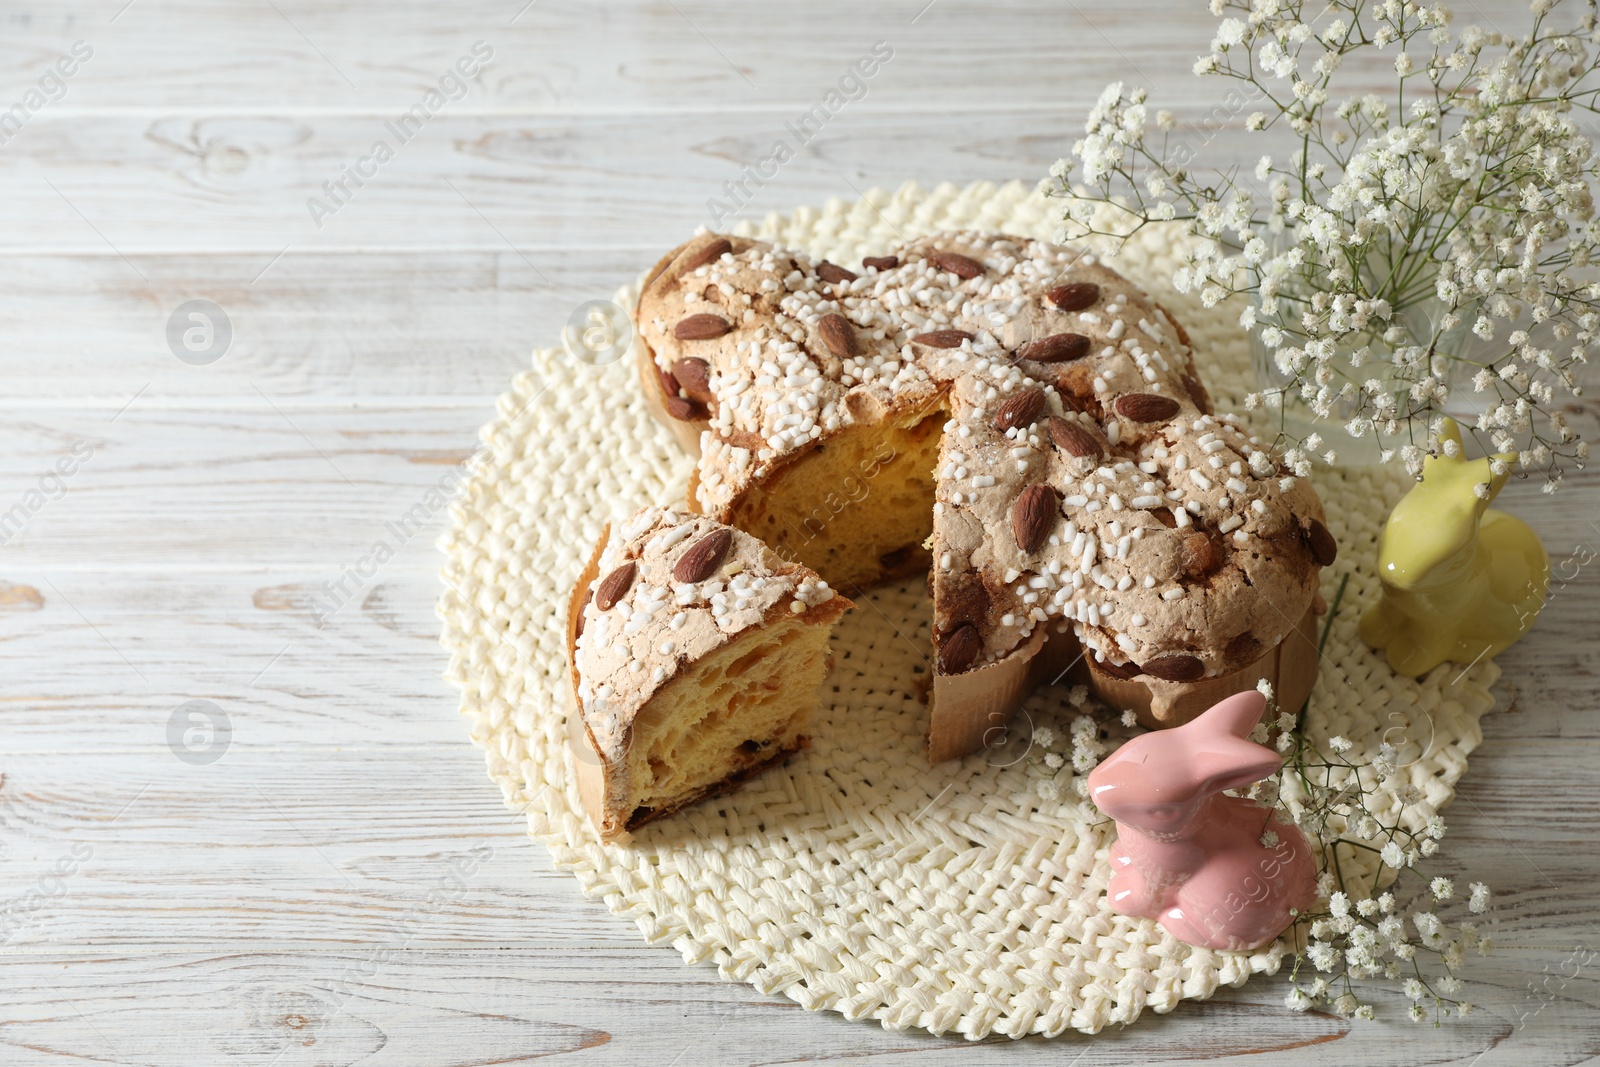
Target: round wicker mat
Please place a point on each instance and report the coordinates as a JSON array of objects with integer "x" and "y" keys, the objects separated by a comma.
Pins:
[{"x": 858, "y": 878}]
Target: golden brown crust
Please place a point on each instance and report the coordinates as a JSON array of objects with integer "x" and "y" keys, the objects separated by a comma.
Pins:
[{"x": 577, "y": 600}]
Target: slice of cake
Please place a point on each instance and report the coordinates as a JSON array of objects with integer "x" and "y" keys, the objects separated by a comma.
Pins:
[{"x": 696, "y": 655}]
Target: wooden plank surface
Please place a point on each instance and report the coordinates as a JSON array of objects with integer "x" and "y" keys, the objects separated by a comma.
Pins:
[
  {"x": 301, "y": 900},
  {"x": 569, "y": 57}
]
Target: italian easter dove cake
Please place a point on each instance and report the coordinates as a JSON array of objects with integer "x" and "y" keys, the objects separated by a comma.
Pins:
[{"x": 1011, "y": 417}]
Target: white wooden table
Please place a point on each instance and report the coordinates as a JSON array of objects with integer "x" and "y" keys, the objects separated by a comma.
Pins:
[{"x": 331, "y": 879}]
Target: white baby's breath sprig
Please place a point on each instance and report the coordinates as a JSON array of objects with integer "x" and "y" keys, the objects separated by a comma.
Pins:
[
  {"x": 1379, "y": 920},
  {"x": 1465, "y": 191},
  {"x": 1060, "y": 765},
  {"x": 1385, "y": 924}
]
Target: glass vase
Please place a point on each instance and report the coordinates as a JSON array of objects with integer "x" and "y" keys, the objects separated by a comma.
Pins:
[{"x": 1421, "y": 322}]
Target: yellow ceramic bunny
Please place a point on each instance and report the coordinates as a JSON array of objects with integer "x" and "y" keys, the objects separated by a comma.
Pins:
[{"x": 1460, "y": 579}]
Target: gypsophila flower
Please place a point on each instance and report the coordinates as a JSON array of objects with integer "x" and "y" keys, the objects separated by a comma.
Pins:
[
  {"x": 1230, "y": 32},
  {"x": 1060, "y": 763},
  {"x": 1470, "y": 189},
  {"x": 1479, "y": 902},
  {"x": 1442, "y": 888}
]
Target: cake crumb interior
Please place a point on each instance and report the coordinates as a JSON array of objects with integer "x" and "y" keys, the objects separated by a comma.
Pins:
[
  {"x": 857, "y": 508},
  {"x": 743, "y": 706}
]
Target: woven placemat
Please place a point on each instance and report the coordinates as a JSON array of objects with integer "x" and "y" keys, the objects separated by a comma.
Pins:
[{"x": 858, "y": 878}]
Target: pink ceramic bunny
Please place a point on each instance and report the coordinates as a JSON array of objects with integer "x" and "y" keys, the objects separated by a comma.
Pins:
[{"x": 1191, "y": 857}]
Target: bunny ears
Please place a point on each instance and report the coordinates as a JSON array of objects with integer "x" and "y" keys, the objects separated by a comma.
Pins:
[
  {"x": 1221, "y": 754},
  {"x": 1456, "y": 477},
  {"x": 1237, "y": 715},
  {"x": 1205, "y": 756}
]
